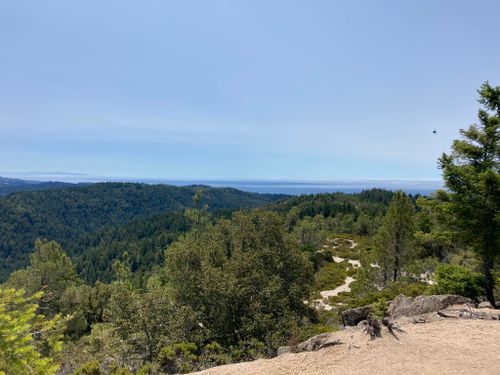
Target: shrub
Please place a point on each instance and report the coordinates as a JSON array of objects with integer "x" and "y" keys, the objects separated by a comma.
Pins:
[
  {"x": 89, "y": 368},
  {"x": 379, "y": 308},
  {"x": 455, "y": 279},
  {"x": 178, "y": 358},
  {"x": 213, "y": 354},
  {"x": 249, "y": 350}
]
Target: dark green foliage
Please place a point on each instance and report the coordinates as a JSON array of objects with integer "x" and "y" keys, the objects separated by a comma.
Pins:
[
  {"x": 363, "y": 294},
  {"x": 320, "y": 204},
  {"x": 144, "y": 240},
  {"x": 245, "y": 278},
  {"x": 90, "y": 368},
  {"x": 330, "y": 276},
  {"x": 178, "y": 358},
  {"x": 65, "y": 215},
  {"x": 455, "y": 279},
  {"x": 340, "y": 213},
  {"x": 86, "y": 306},
  {"x": 394, "y": 238}
]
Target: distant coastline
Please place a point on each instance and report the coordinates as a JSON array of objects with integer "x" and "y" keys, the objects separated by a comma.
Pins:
[{"x": 291, "y": 187}]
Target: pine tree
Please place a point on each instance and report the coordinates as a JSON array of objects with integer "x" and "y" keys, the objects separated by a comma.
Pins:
[
  {"x": 50, "y": 271},
  {"x": 27, "y": 340},
  {"x": 471, "y": 173},
  {"x": 394, "y": 238}
]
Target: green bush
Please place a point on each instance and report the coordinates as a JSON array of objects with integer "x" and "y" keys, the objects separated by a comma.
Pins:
[
  {"x": 361, "y": 297},
  {"x": 178, "y": 358},
  {"x": 455, "y": 279},
  {"x": 90, "y": 368},
  {"x": 248, "y": 350},
  {"x": 330, "y": 276},
  {"x": 148, "y": 369},
  {"x": 379, "y": 308},
  {"x": 213, "y": 354},
  {"x": 117, "y": 370}
]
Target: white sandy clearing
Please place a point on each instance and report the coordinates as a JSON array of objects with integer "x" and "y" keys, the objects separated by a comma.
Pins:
[
  {"x": 441, "y": 347},
  {"x": 353, "y": 262},
  {"x": 335, "y": 292},
  {"x": 353, "y": 244}
]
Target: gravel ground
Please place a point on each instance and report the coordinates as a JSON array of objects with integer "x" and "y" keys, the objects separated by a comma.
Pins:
[{"x": 443, "y": 346}]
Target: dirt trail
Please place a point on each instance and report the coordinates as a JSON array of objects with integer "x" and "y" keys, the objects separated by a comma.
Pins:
[
  {"x": 344, "y": 288},
  {"x": 440, "y": 347}
]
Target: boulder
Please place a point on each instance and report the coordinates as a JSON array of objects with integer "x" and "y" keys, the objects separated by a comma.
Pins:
[
  {"x": 352, "y": 317},
  {"x": 484, "y": 305},
  {"x": 317, "y": 342},
  {"x": 407, "y": 306}
]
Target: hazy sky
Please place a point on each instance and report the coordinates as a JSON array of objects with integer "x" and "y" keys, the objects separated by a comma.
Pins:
[{"x": 240, "y": 89}]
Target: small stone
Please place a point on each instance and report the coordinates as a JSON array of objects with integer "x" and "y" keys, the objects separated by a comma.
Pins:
[{"x": 283, "y": 350}]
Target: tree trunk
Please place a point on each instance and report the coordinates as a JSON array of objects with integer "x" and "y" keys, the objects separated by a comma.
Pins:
[
  {"x": 396, "y": 263},
  {"x": 489, "y": 283}
]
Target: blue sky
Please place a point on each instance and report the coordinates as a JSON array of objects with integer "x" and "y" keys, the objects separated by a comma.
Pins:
[{"x": 310, "y": 90}]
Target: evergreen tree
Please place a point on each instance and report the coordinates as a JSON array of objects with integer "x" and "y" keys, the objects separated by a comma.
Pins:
[
  {"x": 50, "y": 271},
  {"x": 471, "y": 173},
  {"x": 27, "y": 340},
  {"x": 394, "y": 238}
]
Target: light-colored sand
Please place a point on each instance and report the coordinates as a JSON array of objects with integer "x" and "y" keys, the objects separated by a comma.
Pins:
[
  {"x": 353, "y": 244},
  {"x": 353, "y": 262},
  {"x": 335, "y": 292},
  {"x": 441, "y": 347}
]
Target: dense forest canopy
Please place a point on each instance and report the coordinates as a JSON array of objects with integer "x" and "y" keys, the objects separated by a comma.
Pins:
[{"x": 68, "y": 214}]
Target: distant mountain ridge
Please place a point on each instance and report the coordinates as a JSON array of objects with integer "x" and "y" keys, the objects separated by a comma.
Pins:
[{"x": 11, "y": 185}]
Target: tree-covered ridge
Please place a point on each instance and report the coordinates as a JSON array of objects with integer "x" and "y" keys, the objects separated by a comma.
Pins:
[
  {"x": 67, "y": 214},
  {"x": 373, "y": 202},
  {"x": 11, "y": 185}
]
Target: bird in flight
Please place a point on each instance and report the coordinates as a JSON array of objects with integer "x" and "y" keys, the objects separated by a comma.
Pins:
[{"x": 434, "y": 131}]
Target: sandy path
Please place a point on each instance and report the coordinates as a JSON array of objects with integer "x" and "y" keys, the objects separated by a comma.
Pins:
[
  {"x": 335, "y": 292},
  {"x": 441, "y": 347}
]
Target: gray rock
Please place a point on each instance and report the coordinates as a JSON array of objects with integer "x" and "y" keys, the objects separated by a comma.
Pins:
[
  {"x": 283, "y": 350},
  {"x": 484, "y": 305},
  {"x": 318, "y": 342},
  {"x": 407, "y": 306},
  {"x": 352, "y": 317}
]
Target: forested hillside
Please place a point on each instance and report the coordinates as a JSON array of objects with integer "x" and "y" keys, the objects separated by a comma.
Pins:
[
  {"x": 67, "y": 214},
  {"x": 144, "y": 241}
]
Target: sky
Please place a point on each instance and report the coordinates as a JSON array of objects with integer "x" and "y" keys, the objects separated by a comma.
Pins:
[{"x": 261, "y": 89}]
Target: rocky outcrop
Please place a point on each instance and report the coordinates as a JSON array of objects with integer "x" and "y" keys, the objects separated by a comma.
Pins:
[
  {"x": 407, "y": 306},
  {"x": 352, "y": 317}
]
